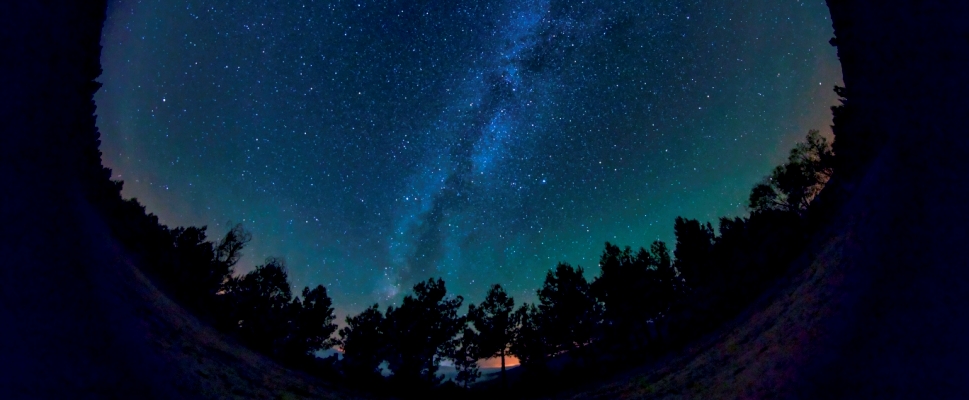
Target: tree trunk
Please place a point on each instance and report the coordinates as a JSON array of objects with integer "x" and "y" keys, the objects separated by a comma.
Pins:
[{"x": 504, "y": 382}]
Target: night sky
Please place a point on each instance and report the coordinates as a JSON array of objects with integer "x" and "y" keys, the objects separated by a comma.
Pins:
[{"x": 373, "y": 144}]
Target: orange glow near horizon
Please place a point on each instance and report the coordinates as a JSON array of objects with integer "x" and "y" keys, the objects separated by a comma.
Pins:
[{"x": 495, "y": 362}]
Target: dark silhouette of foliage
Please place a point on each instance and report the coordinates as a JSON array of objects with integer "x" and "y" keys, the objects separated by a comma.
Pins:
[
  {"x": 465, "y": 357},
  {"x": 667, "y": 287},
  {"x": 636, "y": 292},
  {"x": 792, "y": 186},
  {"x": 694, "y": 245},
  {"x": 620, "y": 287},
  {"x": 857, "y": 143},
  {"x": 421, "y": 332},
  {"x": 493, "y": 320},
  {"x": 754, "y": 251},
  {"x": 311, "y": 325},
  {"x": 228, "y": 251},
  {"x": 569, "y": 312},
  {"x": 529, "y": 343},
  {"x": 364, "y": 342},
  {"x": 193, "y": 266},
  {"x": 701, "y": 274},
  {"x": 261, "y": 306}
]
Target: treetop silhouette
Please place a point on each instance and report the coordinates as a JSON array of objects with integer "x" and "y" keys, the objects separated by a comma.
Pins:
[
  {"x": 493, "y": 320},
  {"x": 792, "y": 186},
  {"x": 422, "y": 331}
]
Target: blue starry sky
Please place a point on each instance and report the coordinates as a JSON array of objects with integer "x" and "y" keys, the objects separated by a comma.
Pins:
[{"x": 373, "y": 144}]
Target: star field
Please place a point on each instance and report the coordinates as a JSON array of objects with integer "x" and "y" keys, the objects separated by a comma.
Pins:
[{"x": 376, "y": 144}]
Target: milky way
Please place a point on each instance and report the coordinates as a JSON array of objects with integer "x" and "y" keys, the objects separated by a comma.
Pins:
[{"x": 376, "y": 144}]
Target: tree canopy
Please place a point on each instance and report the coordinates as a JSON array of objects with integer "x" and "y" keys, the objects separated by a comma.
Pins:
[
  {"x": 493, "y": 320},
  {"x": 422, "y": 331},
  {"x": 569, "y": 311},
  {"x": 364, "y": 342},
  {"x": 792, "y": 186}
]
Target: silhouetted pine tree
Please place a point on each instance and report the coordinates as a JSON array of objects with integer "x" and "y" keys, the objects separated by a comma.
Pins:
[
  {"x": 694, "y": 244},
  {"x": 191, "y": 269},
  {"x": 693, "y": 260},
  {"x": 422, "y": 331},
  {"x": 311, "y": 325},
  {"x": 493, "y": 320},
  {"x": 792, "y": 186},
  {"x": 261, "y": 306},
  {"x": 621, "y": 287},
  {"x": 465, "y": 357},
  {"x": 570, "y": 314},
  {"x": 228, "y": 251},
  {"x": 364, "y": 344},
  {"x": 666, "y": 287},
  {"x": 665, "y": 291},
  {"x": 529, "y": 343},
  {"x": 636, "y": 292}
]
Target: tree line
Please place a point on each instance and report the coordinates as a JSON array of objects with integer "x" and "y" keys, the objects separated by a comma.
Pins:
[{"x": 644, "y": 301}]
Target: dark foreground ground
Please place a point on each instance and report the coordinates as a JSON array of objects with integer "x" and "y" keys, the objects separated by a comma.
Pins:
[{"x": 880, "y": 311}]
